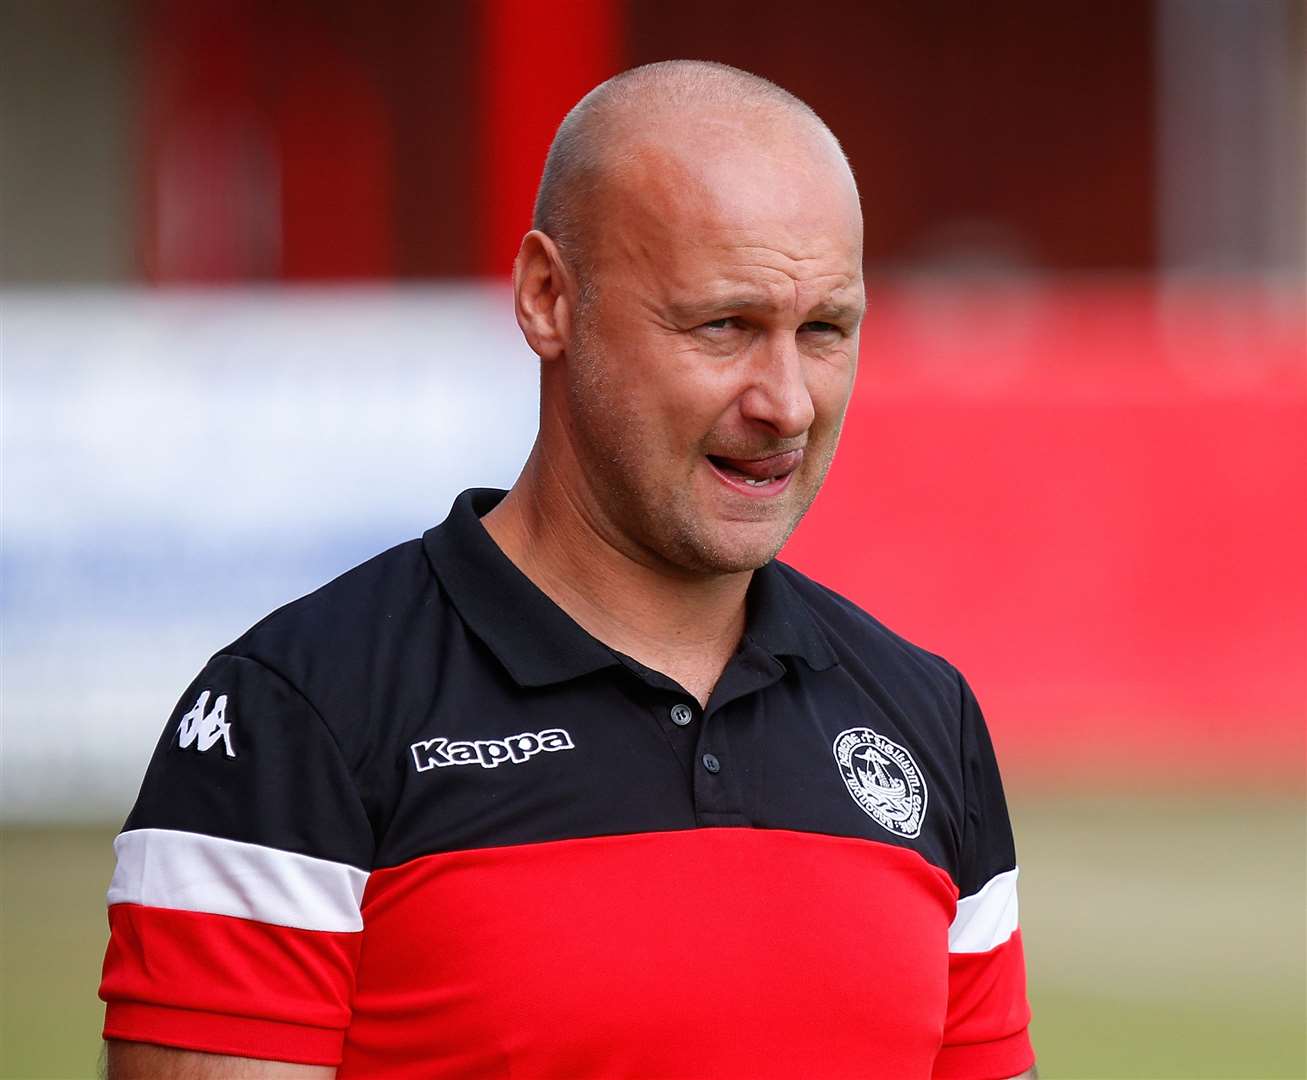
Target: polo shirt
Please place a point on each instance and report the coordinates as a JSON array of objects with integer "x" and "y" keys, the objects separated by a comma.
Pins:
[{"x": 419, "y": 823}]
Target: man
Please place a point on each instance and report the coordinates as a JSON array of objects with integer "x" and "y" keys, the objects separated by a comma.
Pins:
[{"x": 584, "y": 784}]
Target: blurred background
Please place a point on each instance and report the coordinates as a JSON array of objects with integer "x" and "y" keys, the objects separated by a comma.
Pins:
[{"x": 255, "y": 328}]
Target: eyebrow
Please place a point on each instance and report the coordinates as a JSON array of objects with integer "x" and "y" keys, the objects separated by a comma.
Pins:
[
  {"x": 837, "y": 310},
  {"x": 833, "y": 310}
]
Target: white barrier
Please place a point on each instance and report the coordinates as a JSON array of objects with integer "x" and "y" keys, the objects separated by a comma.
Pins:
[{"x": 177, "y": 464}]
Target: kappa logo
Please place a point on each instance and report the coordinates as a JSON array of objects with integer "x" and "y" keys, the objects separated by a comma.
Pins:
[
  {"x": 489, "y": 753},
  {"x": 203, "y": 730},
  {"x": 883, "y": 780}
]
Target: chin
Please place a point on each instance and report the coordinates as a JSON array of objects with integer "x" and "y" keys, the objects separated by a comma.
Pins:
[
  {"x": 732, "y": 553},
  {"x": 697, "y": 537},
  {"x": 732, "y": 564}
]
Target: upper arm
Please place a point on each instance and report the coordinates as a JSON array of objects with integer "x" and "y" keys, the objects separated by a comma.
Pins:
[
  {"x": 985, "y": 1030},
  {"x": 144, "y": 1061},
  {"x": 234, "y": 910}
]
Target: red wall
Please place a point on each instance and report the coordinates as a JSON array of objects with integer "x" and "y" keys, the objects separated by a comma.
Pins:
[
  {"x": 1094, "y": 501},
  {"x": 1020, "y": 132},
  {"x": 333, "y": 140}
]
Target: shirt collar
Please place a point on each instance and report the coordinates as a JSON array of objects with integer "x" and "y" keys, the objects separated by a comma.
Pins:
[
  {"x": 540, "y": 644},
  {"x": 780, "y": 621}
]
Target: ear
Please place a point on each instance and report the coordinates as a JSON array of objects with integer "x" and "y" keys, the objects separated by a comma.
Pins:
[{"x": 544, "y": 294}]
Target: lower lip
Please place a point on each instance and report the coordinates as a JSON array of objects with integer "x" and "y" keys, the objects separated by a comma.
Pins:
[{"x": 768, "y": 490}]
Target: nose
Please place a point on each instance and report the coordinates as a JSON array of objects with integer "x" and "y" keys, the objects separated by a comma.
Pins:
[{"x": 777, "y": 395}]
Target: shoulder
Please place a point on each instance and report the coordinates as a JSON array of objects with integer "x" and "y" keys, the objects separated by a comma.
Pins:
[
  {"x": 362, "y": 603},
  {"x": 340, "y": 643},
  {"x": 864, "y": 643},
  {"x": 899, "y": 676}
]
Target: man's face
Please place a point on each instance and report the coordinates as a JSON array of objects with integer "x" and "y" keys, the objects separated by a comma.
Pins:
[{"x": 708, "y": 377}]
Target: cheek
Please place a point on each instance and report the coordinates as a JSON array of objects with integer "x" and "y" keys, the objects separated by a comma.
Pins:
[
  {"x": 652, "y": 408},
  {"x": 689, "y": 394},
  {"x": 830, "y": 385}
]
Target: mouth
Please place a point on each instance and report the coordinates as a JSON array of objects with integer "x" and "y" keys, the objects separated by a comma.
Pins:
[{"x": 766, "y": 476}]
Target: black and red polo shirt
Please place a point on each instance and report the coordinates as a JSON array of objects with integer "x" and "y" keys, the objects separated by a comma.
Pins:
[{"x": 419, "y": 823}]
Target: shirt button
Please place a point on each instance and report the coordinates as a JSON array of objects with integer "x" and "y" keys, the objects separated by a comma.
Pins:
[
  {"x": 681, "y": 715},
  {"x": 711, "y": 763}
]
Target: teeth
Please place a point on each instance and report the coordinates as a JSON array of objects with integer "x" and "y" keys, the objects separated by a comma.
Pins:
[{"x": 759, "y": 483}]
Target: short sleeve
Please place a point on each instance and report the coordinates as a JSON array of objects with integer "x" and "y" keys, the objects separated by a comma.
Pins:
[
  {"x": 986, "y": 1027},
  {"x": 234, "y": 909}
]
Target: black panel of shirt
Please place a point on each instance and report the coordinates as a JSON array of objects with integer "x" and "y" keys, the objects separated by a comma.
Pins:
[{"x": 337, "y": 701}]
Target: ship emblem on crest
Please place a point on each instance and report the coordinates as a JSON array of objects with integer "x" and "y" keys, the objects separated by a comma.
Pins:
[{"x": 883, "y": 780}]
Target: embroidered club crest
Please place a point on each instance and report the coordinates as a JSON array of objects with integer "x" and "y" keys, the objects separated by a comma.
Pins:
[{"x": 883, "y": 780}]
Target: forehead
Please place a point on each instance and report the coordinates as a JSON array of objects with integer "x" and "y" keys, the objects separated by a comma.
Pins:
[{"x": 716, "y": 198}]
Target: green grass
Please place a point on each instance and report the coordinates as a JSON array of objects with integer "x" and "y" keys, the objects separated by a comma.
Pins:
[
  {"x": 1165, "y": 938},
  {"x": 52, "y": 936}
]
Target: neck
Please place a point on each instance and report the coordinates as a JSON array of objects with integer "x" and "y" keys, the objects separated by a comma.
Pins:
[{"x": 683, "y": 624}]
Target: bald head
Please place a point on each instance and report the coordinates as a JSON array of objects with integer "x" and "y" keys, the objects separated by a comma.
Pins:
[{"x": 606, "y": 129}]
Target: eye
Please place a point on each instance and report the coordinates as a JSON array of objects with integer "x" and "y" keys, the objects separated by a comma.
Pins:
[
  {"x": 818, "y": 327},
  {"x": 730, "y": 322}
]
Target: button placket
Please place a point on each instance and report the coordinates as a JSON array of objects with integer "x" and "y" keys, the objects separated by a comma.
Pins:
[{"x": 717, "y": 795}]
